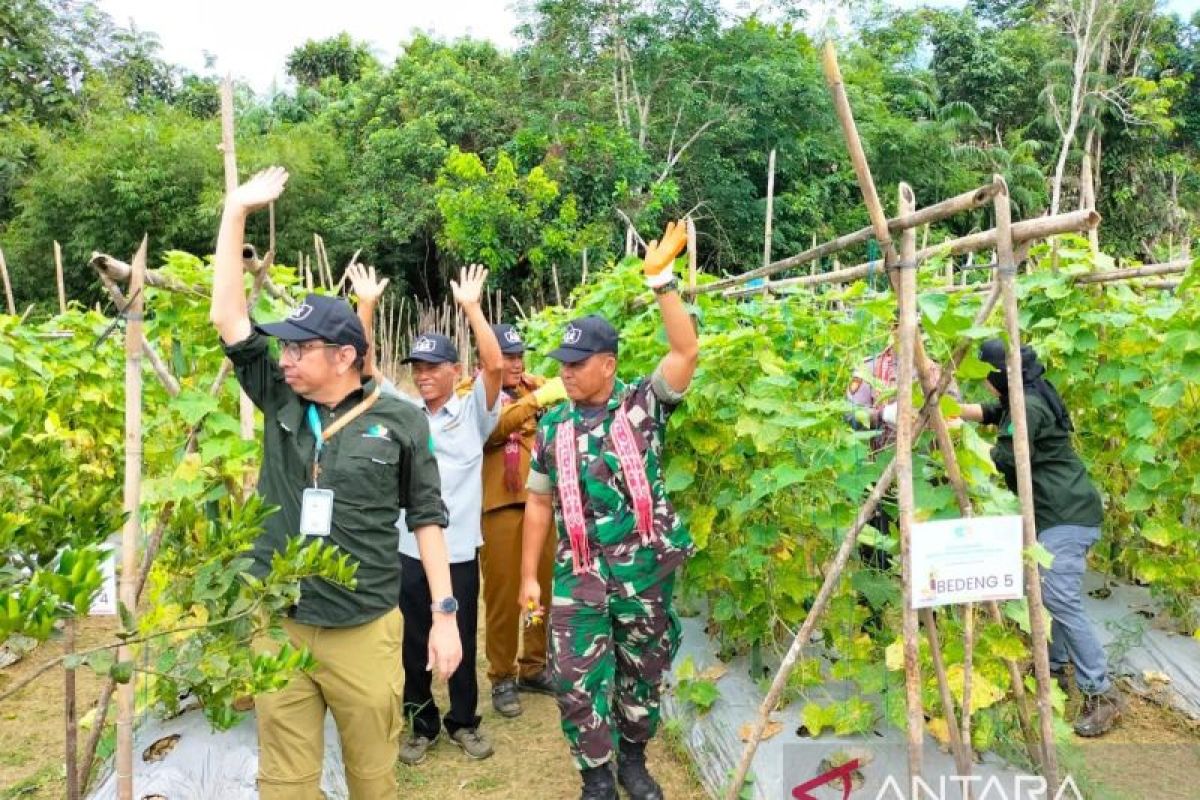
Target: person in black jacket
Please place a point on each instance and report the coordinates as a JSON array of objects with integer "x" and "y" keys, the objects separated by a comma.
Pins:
[{"x": 1067, "y": 513}]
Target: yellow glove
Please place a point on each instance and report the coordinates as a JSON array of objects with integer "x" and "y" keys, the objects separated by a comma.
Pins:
[
  {"x": 551, "y": 392},
  {"x": 659, "y": 263}
]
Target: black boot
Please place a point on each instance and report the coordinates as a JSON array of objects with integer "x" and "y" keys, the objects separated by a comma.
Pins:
[
  {"x": 598, "y": 783},
  {"x": 632, "y": 773}
]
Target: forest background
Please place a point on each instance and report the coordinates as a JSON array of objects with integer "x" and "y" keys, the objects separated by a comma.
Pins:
[{"x": 607, "y": 113}]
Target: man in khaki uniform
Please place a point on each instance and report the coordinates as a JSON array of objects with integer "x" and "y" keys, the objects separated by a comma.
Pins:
[{"x": 505, "y": 469}]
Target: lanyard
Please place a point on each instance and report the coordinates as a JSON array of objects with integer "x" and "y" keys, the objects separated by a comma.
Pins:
[{"x": 321, "y": 437}]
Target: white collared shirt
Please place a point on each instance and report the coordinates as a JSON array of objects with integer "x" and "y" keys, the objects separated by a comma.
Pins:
[{"x": 459, "y": 430}]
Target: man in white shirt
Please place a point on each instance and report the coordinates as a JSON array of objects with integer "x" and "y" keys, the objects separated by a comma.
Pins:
[{"x": 458, "y": 425}]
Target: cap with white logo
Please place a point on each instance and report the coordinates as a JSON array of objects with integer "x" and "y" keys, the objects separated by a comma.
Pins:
[
  {"x": 432, "y": 348},
  {"x": 510, "y": 340},
  {"x": 320, "y": 317},
  {"x": 584, "y": 337}
]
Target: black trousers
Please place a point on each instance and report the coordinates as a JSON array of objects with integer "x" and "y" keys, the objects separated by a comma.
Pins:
[{"x": 415, "y": 601}]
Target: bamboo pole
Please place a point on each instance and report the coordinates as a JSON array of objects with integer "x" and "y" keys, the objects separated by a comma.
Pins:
[
  {"x": 229, "y": 152},
  {"x": 1145, "y": 271},
  {"x": 584, "y": 269},
  {"x": 1006, "y": 280},
  {"x": 227, "y": 146},
  {"x": 132, "y": 529},
  {"x": 119, "y": 272},
  {"x": 69, "y": 710},
  {"x": 902, "y": 275},
  {"x": 966, "y": 201},
  {"x": 1022, "y": 232},
  {"x": 833, "y": 570},
  {"x": 766, "y": 260},
  {"x": 58, "y": 275},
  {"x": 692, "y": 254},
  {"x": 557, "y": 292},
  {"x": 8, "y": 292},
  {"x": 907, "y": 336}
]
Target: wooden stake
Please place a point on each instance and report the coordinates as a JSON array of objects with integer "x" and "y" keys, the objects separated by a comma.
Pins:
[
  {"x": 1005, "y": 280},
  {"x": 72, "y": 723},
  {"x": 227, "y": 139},
  {"x": 8, "y": 292},
  {"x": 907, "y": 337},
  {"x": 132, "y": 530},
  {"x": 693, "y": 254},
  {"x": 58, "y": 275},
  {"x": 766, "y": 260},
  {"x": 557, "y": 293},
  {"x": 583, "y": 273}
]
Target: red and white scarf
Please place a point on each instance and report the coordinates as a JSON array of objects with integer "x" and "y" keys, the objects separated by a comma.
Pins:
[
  {"x": 571, "y": 499},
  {"x": 512, "y": 454}
]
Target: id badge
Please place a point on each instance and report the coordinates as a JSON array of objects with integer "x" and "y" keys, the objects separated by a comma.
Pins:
[{"x": 316, "y": 512}]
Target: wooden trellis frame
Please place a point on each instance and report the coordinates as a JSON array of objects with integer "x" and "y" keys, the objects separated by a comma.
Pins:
[{"x": 901, "y": 268}]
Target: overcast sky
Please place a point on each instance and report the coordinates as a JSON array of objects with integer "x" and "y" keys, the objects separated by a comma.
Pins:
[{"x": 252, "y": 38}]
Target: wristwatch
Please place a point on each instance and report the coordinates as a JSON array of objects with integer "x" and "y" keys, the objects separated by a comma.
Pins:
[
  {"x": 447, "y": 605},
  {"x": 670, "y": 286}
]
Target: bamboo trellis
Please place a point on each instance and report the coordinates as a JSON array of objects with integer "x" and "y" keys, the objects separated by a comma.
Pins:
[{"x": 902, "y": 268}]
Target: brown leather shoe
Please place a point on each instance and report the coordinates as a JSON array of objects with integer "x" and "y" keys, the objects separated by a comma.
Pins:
[{"x": 1099, "y": 713}]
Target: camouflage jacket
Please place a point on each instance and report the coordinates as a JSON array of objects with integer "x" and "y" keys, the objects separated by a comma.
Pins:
[{"x": 618, "y": 552}]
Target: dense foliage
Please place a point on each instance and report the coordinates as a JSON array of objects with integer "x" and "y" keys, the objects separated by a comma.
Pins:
[
  {"x": 61, "y": 467},
  {"x": 653, "y": 108},
  {"x": 769, "y": 476}
]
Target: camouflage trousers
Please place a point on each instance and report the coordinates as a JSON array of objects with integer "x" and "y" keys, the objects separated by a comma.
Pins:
[{"x": 608, "y": 659}]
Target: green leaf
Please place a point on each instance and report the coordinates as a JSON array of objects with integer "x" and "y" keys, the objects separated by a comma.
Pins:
[
  {"x": 193, "y": 405},
  {"x": 127, "y": 621},
  {"x": 680, "y": 473},
  {"x": 1039, "y": 555},
  {"x": 933, "y": 306}
]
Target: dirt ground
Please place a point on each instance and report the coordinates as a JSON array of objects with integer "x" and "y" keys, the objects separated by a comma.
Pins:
[
  {"x": 531, "y": 760},
  {"x": 1153, "y": 753}
]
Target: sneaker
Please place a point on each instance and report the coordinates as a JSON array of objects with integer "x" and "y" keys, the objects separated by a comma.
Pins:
[
  {"x": 632, "y": 773},
  {"x": 505, "y": 699},
  {"x": 1099, "y": 713},
  {"x": 537, "y": 684},
  {"x": 415, "y": 748},
  {"x": 598, "y": 783},
  {"x": 473, "y": 743}
]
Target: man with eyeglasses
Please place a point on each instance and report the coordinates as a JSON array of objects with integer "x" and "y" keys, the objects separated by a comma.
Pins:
[{"x": 341, "y": 461}]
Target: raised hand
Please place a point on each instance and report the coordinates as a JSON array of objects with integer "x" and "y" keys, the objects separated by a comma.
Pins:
[
  {"x": 258, "y": 191},
  {"x": 659, "y": 262},
  {"x": 367, "y": 287},
  {"x": 468, "y": 289}
]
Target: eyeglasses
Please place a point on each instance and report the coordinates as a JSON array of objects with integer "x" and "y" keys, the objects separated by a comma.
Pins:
[{"x": 296, "y": 350}]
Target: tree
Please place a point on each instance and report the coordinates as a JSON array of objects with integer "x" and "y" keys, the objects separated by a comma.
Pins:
[{"x": 339, "y": 57}]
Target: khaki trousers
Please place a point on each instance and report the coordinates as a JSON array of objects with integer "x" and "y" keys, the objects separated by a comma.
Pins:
[
  {"x": 500, "y": 560},
  {"x": 357, "y": 678}
]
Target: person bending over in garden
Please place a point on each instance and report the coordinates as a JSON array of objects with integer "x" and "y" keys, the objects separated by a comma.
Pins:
[
  {"x": 525, "y": 398},
  {"x": 340, "y": 462},
  {"x": 459, "y": 426},
  {"x": 1067, "y": 513},
  {"x": 597, "y": 475}
]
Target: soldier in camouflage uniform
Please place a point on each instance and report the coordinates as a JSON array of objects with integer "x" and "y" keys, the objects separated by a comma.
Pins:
[{"x": 597, "y": 475}]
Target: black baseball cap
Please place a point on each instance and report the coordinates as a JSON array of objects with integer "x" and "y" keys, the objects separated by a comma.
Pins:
[
  {"x": 510, "y": 340},
  {"x": 320, "y": 317},
  {"x": 584, "y": 338},
  {"x": 432, "y": 348}
]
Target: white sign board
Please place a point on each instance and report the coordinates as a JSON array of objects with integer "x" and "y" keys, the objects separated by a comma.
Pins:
[
  {"x": 104, "y": 604},
  {"x": 966, "y": 561}
]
